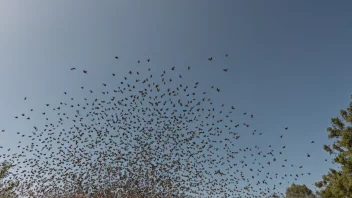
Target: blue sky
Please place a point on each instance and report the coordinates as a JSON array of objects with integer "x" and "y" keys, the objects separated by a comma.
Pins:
[{"x": 289, "y": 62}]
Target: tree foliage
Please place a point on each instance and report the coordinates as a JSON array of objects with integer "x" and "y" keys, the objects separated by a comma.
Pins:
[
  {"x": 338, "y": 183},
  {"x": 6, "y": 187},
  {"x": 299, "y": 191},
  {"x": 274, "y": 196}
]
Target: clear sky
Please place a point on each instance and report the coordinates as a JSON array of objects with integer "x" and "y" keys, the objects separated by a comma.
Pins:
[{"x": 289, "y": 62}]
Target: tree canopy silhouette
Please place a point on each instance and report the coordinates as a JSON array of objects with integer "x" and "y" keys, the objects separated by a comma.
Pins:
[
  {"x": 338, "y": 183},
  {"x": 299, "y": 191},
  {"x": 6, "y": 187}
]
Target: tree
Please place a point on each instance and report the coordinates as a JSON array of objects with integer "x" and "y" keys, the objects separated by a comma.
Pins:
[
  {"x": 7, "y": 187},
  {"x": 274, "y": 196},
  {"x": 299, "y": 191},
  {"x": 338, "y": 183}
]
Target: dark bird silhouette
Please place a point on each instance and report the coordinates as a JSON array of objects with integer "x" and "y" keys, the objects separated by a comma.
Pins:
[{"x": 150, "y": 129}]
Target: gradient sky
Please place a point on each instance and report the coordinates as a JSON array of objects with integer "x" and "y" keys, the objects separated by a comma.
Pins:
[{"x": 289, "y": 62}]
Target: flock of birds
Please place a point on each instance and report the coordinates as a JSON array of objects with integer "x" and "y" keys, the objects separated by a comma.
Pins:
[{"x": 148, "y": 132}]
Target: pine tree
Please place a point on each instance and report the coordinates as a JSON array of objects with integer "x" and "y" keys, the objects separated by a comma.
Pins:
[{"x": 338, "y": 183}]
